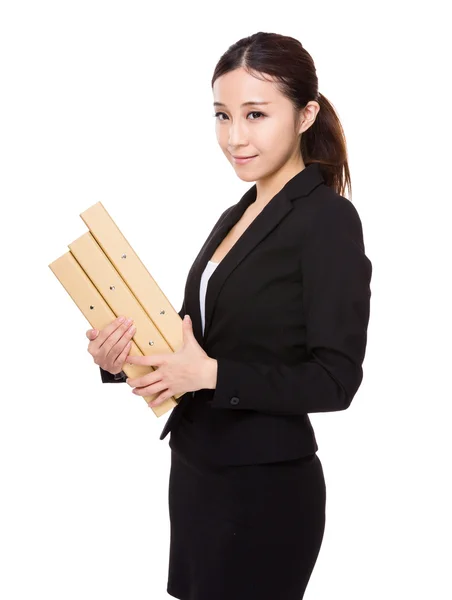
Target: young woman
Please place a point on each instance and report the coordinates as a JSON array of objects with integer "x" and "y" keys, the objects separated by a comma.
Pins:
[{"x": 279, "y": 300}]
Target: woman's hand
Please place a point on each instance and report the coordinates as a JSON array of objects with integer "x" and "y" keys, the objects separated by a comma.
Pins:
[
  {"x": 187, "y": 370},
  {"x": 110, "y": 346}
]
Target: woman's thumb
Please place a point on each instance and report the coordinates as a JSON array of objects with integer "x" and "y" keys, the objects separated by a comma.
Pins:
[{"x": 92, "y": 334}]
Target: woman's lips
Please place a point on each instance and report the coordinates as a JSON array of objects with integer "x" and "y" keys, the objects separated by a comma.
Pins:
[{"x": 242, "y": 161}]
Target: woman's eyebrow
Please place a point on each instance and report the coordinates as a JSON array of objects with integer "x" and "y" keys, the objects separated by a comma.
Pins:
[{"x": 244, "y": 104}]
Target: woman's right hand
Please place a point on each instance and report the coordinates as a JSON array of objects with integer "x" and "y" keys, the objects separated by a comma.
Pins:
[{"x": 110, "y": 346}]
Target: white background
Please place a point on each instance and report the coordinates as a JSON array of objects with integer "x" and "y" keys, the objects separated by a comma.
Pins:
[{"x": 111, "y": 102}]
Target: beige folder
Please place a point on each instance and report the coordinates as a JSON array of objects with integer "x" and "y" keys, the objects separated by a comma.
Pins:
[{"x": 105, "y": 278}]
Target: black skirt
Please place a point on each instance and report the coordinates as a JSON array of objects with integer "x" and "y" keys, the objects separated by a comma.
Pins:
[{"x": 246, "y": 532}]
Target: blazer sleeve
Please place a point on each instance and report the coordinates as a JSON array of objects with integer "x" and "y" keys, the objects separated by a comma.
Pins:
[
  {"x": 336, "y": 277},
  {"x": 121, "y": 377},
  {"x": 108, "y": 377}
]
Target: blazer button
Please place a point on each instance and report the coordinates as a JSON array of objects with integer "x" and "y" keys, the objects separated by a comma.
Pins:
[{"x": 235, "y": 400}]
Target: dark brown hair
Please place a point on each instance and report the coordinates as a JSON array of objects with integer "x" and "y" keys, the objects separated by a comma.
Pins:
[{"x": 284, "y": 58}]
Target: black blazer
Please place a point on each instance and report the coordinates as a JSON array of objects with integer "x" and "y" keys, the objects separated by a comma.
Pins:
[{"x": 287, "y": 311}]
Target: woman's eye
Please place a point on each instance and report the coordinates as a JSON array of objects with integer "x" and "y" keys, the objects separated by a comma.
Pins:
[{"x": 254, "y": 112}]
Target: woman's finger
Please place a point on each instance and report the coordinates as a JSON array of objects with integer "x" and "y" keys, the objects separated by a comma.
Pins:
[
  {"x": 150, "y": 390},
  {"x": 160, "y": 399},
  {"x": 122, "y": 357}
]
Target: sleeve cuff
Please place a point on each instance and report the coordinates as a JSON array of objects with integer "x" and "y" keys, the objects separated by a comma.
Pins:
[{"x": 108, "y": 377}]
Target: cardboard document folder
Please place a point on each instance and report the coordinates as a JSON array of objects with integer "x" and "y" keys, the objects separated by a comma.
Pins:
[{"x": 106, "y": 279}]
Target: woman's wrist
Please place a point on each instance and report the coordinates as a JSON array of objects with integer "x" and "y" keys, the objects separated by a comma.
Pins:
[{"x": 211, "y": 374}]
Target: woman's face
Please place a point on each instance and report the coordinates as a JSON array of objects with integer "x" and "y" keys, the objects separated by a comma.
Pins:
[{"x": 267, "y": 131}]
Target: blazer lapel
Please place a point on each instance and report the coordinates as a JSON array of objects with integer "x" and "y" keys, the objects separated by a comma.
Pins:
[{"x": 269, "y": 218}]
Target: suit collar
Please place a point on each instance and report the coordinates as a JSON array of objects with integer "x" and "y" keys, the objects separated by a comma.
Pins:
[{"x": 271, "y": 215}]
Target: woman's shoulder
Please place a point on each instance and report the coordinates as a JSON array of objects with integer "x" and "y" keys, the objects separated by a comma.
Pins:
[{"x": 325, "y": 213}]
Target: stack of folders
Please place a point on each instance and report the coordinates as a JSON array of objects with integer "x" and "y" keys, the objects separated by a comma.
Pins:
[{"x": 106, "y": 279}]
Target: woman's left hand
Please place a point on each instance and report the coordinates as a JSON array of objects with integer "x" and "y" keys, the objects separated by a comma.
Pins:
[{"x": 187, "y": 370}]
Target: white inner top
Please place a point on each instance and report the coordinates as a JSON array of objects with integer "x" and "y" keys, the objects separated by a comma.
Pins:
[{"x": 210, "y": 268}]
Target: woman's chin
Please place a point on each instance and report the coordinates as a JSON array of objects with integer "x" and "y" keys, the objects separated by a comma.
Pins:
[
  {"x": 244, "y": 175},
  {"x": 247, "y": 178}
]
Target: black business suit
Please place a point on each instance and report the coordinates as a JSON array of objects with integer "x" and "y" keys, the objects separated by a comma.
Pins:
[{"x": 287, "y": 311}]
